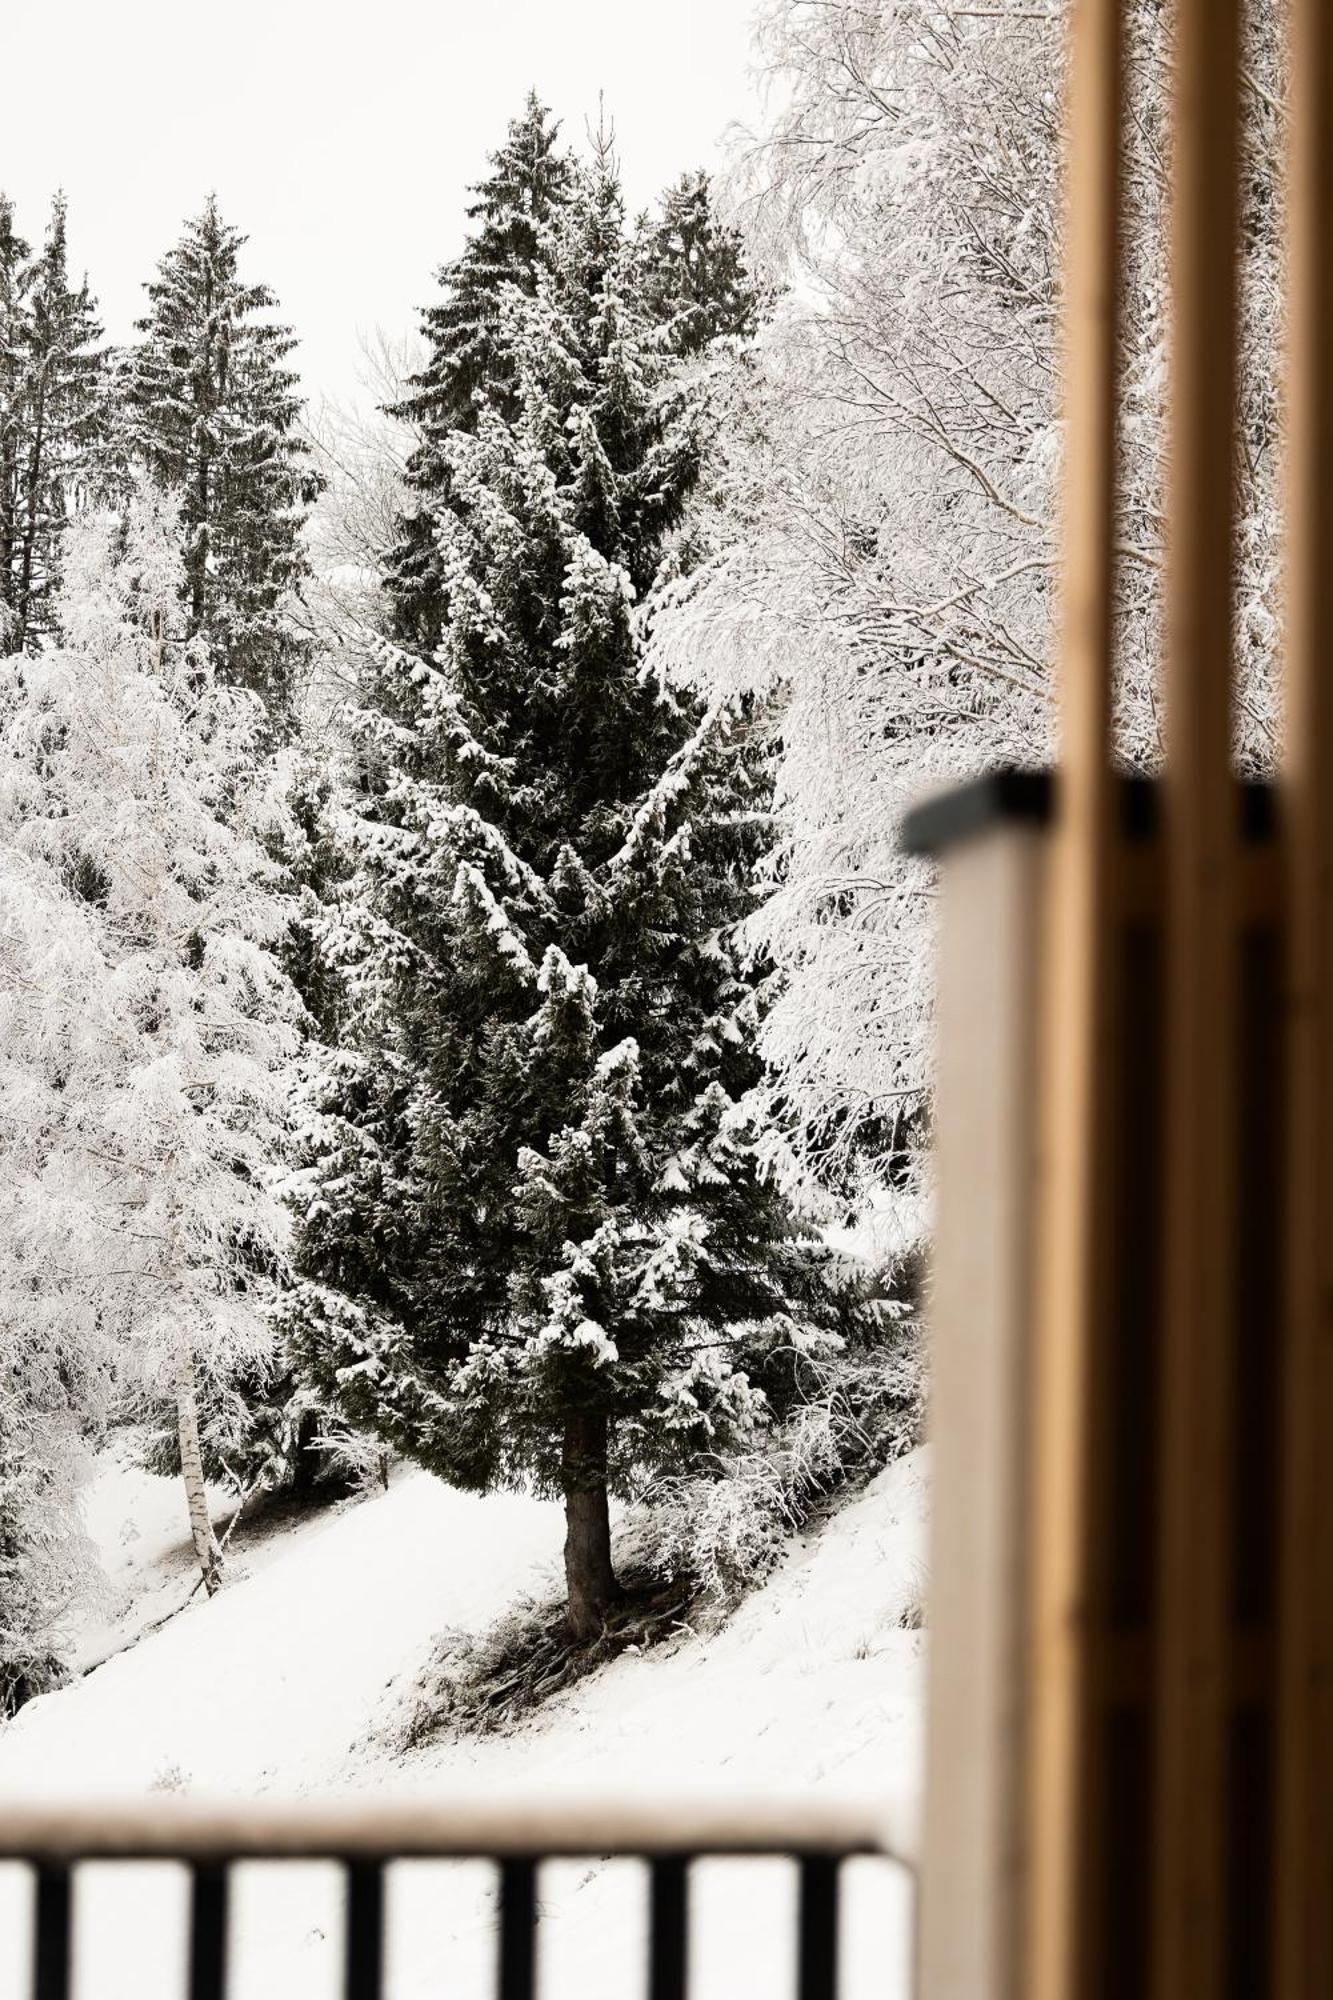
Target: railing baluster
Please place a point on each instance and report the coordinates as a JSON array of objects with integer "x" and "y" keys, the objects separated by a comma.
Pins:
[
  {"x": 817, "y": 1918},
  {"x": 364, "y": 1950},
  {"x": 518, "y": 1923},
  {"x": 51, "y": 1960},
  {"x": 668, "y": 1908},
  {"x": 208, "y": 1931}
]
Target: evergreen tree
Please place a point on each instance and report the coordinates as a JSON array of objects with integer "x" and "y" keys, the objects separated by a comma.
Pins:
[
  {"x": 469, "y": 362},
  {"x": 54, "y": 421},
  {"x": 539, "y": 1237},
  {"x": 696, "y": 279},
  {"x": 212, "y": 411},
  {"x": 15, "y": 276},
  {"x": 149, "y": 1030}
]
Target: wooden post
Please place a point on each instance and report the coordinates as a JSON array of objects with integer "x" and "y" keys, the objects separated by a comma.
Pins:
[
  {"x": 1076, "y": 1110},
  {"x": 1304, "y": 1821},
  {"x": 981, "y": 1302},
  {"x": 1159, "y": 1347},
  {"x": 1202, "y": 848}
]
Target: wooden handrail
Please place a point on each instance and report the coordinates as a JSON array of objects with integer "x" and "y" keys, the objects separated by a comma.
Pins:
[{"x": 352, "y": 1828}]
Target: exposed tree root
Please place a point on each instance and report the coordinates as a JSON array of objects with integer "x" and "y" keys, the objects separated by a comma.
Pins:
[{"x": 478, "y": 1684}]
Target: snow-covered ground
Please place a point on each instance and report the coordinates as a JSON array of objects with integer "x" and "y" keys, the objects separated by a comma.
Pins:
[{"x": 283, "y": 1684}]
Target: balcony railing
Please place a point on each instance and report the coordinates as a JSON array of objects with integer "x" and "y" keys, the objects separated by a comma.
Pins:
[{"x": 364, "y": 1840}]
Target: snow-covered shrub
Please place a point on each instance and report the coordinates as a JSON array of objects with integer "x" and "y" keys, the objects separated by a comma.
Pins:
[
  {"x": 726, "y": 1524},
  {"x": 45, "y": 1558},
  {"x": 478, "y": 1683}
]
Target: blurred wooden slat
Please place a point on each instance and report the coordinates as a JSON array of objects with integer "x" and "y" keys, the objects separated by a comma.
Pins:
[
  {"x": 981, "y": 1302},
  {"x": 1077, "y": 1111},
  {"x": 1202, "y": 839},
  {"x": 1304, "y": 1860}
]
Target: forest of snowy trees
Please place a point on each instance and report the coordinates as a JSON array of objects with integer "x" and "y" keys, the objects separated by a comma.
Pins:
[{"x": 460, "y": 995}]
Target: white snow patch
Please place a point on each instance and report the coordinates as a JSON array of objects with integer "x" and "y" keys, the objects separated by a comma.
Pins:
[{"x": 269, "y": 1686}]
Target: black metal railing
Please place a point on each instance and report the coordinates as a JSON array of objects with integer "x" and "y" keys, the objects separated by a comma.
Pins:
[{"x": 364, "y": 1842}]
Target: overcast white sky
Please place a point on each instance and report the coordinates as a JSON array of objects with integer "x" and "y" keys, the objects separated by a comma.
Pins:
[{"x": 340, "y": 137}]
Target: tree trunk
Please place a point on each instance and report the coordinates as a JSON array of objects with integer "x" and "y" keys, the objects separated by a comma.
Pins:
[
  {"x": 192, "y": 1468},
  {"x": 590, "y": 1580},
  {"x": 29, "y": 544},
  {"x": 307, "y": 1462},
  {"x": 9, "y": 490}
]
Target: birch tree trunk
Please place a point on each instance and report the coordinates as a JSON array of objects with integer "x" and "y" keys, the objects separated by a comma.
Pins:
[{"x": 192, "y": 1469}]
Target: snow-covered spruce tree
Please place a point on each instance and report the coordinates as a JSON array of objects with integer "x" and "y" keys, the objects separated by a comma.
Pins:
[
  {"x": 539, "y": 1240},
  {"x": 468, "y": 362},
  {"x": 55, "y": 421},
  {"x": 696, "y": 277},
  {"x": 150, "y": 1027},
  {"x": 212, "y": 411},
  {"x": 15, "y": 274}
]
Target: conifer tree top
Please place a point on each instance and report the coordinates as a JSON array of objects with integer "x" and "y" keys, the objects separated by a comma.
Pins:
[
  {"x": 55, "y": 421},
  {"x": 529, "y": 177},
  {"x": 469, "y": 364},
  {"x": 198, "y": 296},
  {"x": 213, "y": 411}
]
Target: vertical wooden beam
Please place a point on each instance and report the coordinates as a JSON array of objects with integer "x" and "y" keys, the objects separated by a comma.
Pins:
[
  {"x": 1304, "y": 1860},
  {"x": 1077, "y": 1110},
  {"x": 1202, "y": 837},
  {"x": 981, "y": 1302}
]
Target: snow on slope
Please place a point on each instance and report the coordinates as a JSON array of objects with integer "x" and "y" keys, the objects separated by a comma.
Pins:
[
  {"x": 269, "y": 1686},
  {"x": 278, "y": 1685},
  {"x": 136, "y": 1522}
]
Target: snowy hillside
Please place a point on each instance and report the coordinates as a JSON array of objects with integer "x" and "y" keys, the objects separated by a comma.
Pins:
[{"x": 283, "y": 1683}]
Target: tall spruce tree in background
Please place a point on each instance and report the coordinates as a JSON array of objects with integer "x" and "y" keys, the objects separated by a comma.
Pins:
[
  {"x": 469, "y": 361},
  {"x": 539, "y": 1239},
  {"x": 55, "y": 421},
  {"x": 15, "y": 276},
  {"x": 212, "y": 410}
]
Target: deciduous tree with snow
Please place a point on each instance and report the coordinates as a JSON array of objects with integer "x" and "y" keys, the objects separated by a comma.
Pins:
[
  {"x": 888, "y": 568},
  {"x": 148, "y": 1027}
]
